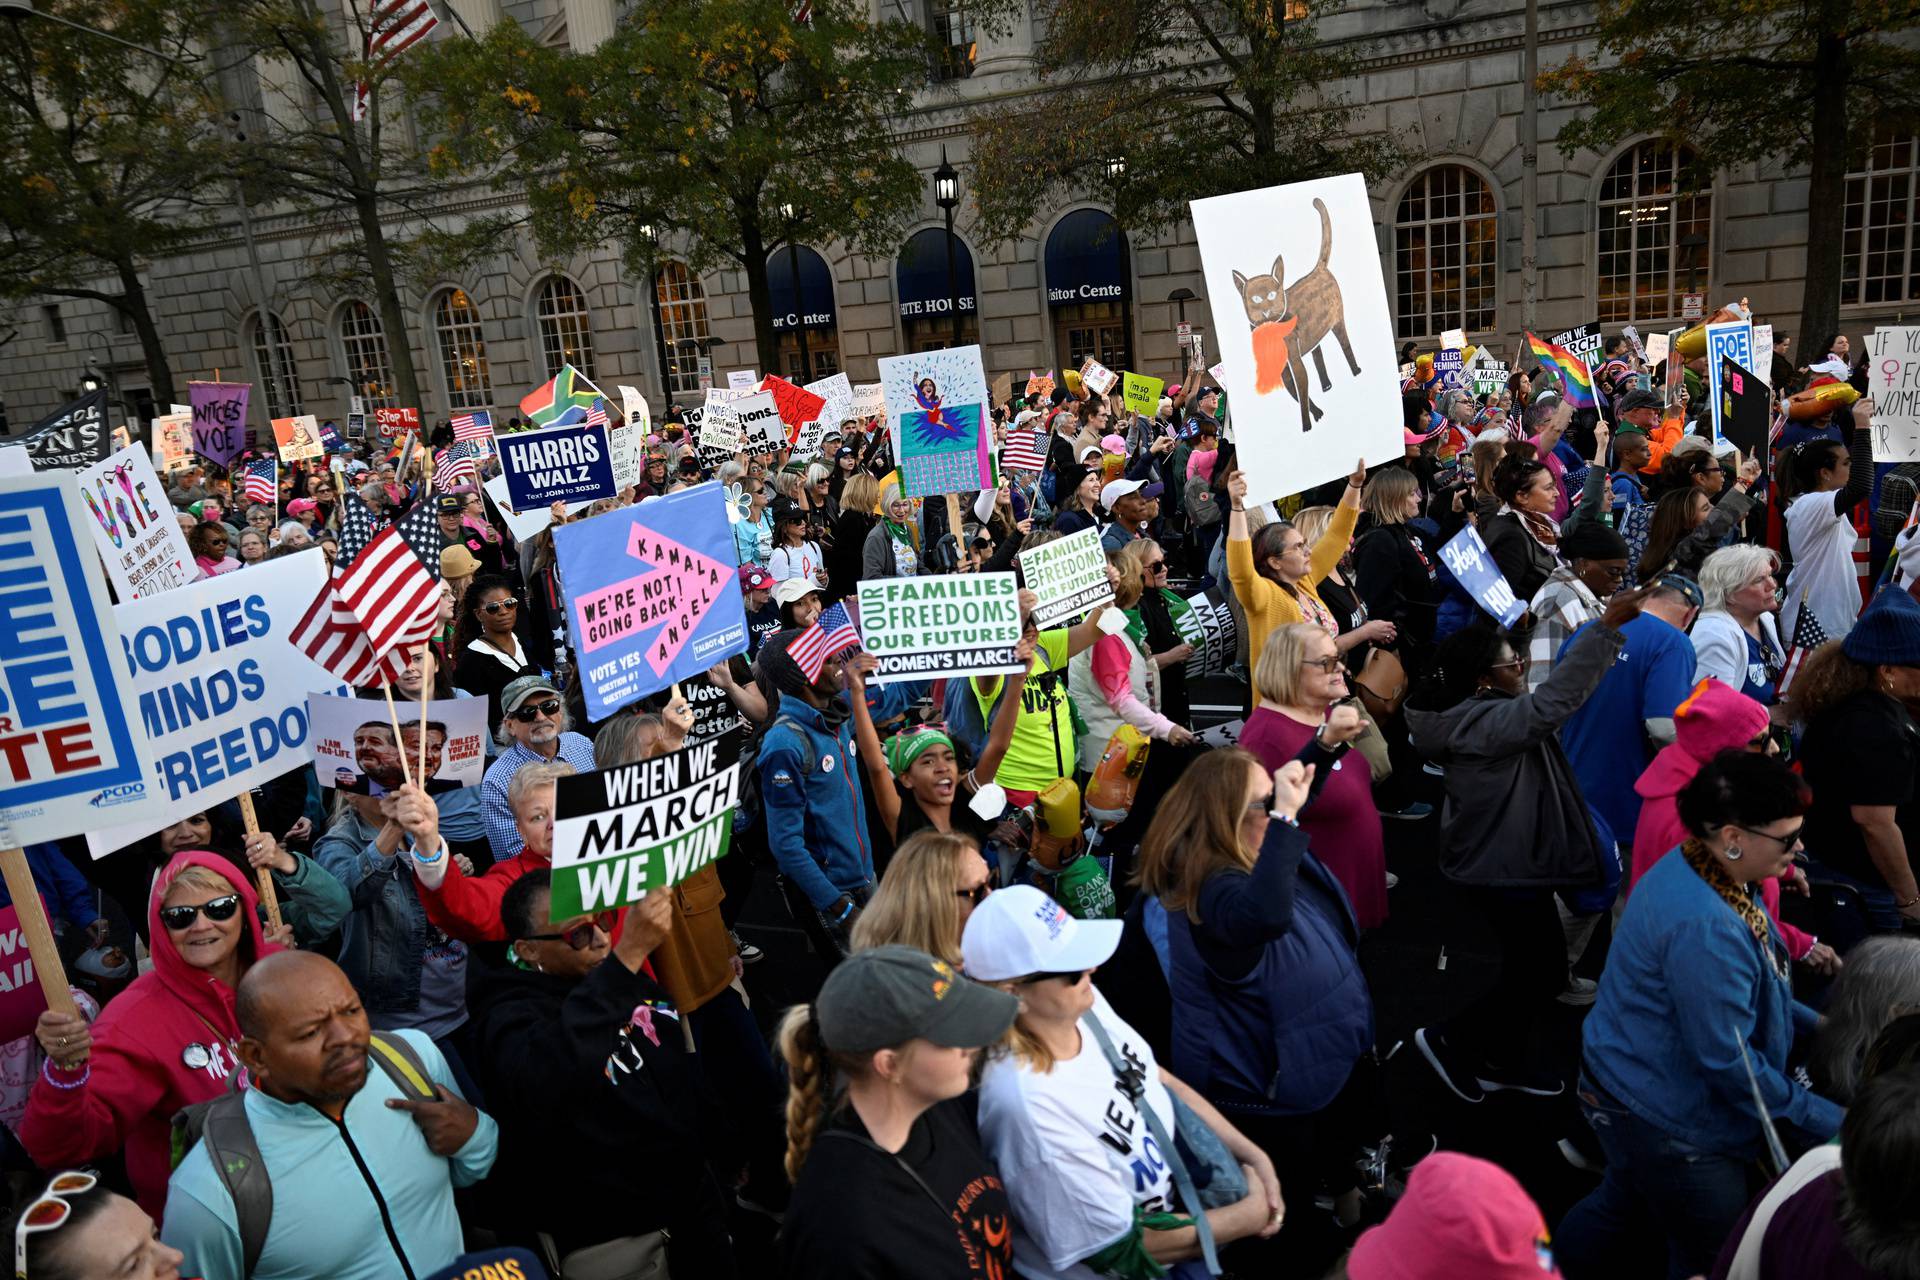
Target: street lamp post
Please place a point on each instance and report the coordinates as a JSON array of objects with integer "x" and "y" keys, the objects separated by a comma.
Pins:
[
  {"x": 946, "y": 194},
  {"x": 1116, "y": 173},
  {"x": 799, "y": 306},
  {"x": 1180, "y": 298}
]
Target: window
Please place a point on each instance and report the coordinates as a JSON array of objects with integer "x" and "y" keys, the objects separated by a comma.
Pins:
[
  {"x": 274, "y": 370},
  {"x": 954, "y": 49},
  {"x": 1654, "y": 238},
  {"x": 463, "y": 352},
  {"x": 1876, "y": 247},
  {"x": 680, "y": 319},
  {"x": 56, "y": 324},
  {"x": 364, "y": 343},
  {"x": 1444, "y": 234},
  {"x": 564, "y": 336}
]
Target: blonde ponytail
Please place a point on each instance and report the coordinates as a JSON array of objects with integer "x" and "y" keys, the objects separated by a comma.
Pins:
[{"x": 810, "y": 1081}]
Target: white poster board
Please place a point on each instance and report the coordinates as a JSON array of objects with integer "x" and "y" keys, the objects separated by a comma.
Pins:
[
  {"x": 1893, "y": 380},
  {"x": 136, "y": 530},
  {"x": 525, "y": 524}
]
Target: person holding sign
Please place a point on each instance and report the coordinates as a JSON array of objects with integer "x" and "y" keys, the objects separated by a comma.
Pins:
[
  {"x": 465, "y": 906},
  {"x": 164, "y": 1043},
  {"x": 584, "y": 1065}
]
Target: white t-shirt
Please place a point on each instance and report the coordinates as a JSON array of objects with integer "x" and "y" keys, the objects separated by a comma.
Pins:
[
  {"x": 803, "y": 561},
  {"x": 1074, "y": 1152},
  {"x": 1822, "y": 544}
]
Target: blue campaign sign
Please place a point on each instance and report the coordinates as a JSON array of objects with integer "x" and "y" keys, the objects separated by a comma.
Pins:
[
  {"x": 653, "y": 595},
  {"x": 560, "y": 464},
  {"x": 71, "y": 755},
  {"x": 1449, "y": 365},
  {"x": 1467, "y": 557}
]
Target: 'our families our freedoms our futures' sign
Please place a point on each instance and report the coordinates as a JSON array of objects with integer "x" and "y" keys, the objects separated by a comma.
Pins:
[
  {"x": 1069, "y": 576},
  {"x": 950, "y": 625}
]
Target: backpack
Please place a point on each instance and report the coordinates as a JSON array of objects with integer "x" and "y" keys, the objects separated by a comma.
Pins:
[
  {"x": 222, "y": 1124},
  {"x": 749, "y": 775}
]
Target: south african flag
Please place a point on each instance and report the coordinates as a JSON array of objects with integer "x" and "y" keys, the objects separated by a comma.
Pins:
[{"x": 566, "y": 399}]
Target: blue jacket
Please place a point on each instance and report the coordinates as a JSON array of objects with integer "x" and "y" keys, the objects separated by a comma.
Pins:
[
  {"x": 1283, "y": 1038},
  {"x": 67, "y": 894},
  {"x": 1684, "y": 990},
  {"x": 815, "y": 811}
]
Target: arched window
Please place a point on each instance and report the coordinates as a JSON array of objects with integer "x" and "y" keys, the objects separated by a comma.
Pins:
[
  {"x": 1654, "y": 239},
  {"x": 565, "y": 337},
  {"x": 680, "y": 320},
  {"x": 1444, "y": 233},
  {"x": 1877, "y": 262},
  {"x": 274, "y": 370},
  {"x": 1089, "y": 290},
  {"x": 364, "y": 343},
  {"x": 463, "y": 352},
  {"x": 803, "y": 313}
]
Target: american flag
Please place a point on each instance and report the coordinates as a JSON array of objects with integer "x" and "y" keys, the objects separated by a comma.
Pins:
[
  {"x": 458, "y": 465},
  {"x": 418, "y": 529},
  {"x": 1808, "y": 635},
  {"x": 263, "y": 480},
  {"x": 1023, "y": 452},
  {"x": 393, "y": 27},
  {"x": 597, "y": 416},
  {"x": 841, "y": 633},
  {"x": 372, "y": 617},
  {"x": 477, "y": 425}
]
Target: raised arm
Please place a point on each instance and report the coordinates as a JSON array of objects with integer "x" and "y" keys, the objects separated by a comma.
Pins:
[
  {"x": 1005, "y": 716},
  {"x": 886, "y": 797}
]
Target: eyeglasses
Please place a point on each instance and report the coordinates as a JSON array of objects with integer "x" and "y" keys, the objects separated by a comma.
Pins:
[
  {"x": 527, "y": 715},
  {"x": 977, "y": 894},
  {"x": 1156, "y": 566},
  {"x": 181, "y": 917},
  {"x": 1786, "y": 841},
  {"x": 500, "y": 606},
  {"x": 580, "y": 937},
  {"x": 1518, "y": 664},
  {"x": 48, "y": 1212},
  {"x": 1328, "y": 665},
  {"x": 1069, "y": 978}
]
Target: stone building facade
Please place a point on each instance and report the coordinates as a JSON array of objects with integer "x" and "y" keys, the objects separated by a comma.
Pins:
[{"x": 1615, "y": 241}]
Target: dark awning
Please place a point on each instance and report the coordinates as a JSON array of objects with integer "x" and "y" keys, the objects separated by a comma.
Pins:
[
  {"x": 815, "y": 306},
  {"x": 1086, "y": 259},
  {"x": 922, "y": 275}
]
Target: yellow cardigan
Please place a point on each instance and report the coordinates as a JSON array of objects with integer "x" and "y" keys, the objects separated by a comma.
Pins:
[{"x": 1270, "y": 605}]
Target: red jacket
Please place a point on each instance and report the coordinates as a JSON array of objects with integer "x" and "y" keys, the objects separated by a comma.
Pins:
[
  {"x": 137, "y": 1076},
  {"x": 468, "y": 907}
]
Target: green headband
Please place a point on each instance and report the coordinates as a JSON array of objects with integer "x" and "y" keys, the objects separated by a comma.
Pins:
[{"x": 904, "y": 748}]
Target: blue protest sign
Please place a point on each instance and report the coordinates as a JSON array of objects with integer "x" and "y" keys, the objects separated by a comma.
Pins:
[
  {"x": 71, "y": 756},
  {"x": 1449, "y": 364},
  {"x": 561, "y": 464},
  {"x": 1467, "y": 557},
  {"x": 653, "y": 594}
]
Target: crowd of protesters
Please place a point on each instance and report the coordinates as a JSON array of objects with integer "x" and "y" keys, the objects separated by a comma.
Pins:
[{"x": 1063, "y": 1019}]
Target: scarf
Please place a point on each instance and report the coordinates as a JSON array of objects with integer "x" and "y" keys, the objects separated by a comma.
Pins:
[
  {"x": 1708, "y": 867},
  {"x": 903, "y": 533},
  {"x": 1543, "y": 529}
]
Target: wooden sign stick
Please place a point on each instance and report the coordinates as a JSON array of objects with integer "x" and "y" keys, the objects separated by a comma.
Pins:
[
  {"x": 262, "y": 876},
  {"x": 394, "y": 715},
  {"x": 426, "y": 692},
  {"x": 33, "y": 925}
]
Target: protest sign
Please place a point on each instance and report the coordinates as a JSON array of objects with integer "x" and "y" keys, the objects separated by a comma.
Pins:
[
  {"x": 1096, "y": 376},
  {"x": 1893, "y": 380},
  {"x": 1141, "y": 393},
  {"x": 949, "y": 625},
  {"x": 22, "y": 999},
  {"x": 220, "y": 689},
  {"x": 356, "y": 426},
  {"x": 937, "y": 401},
  {"x": 637, "y": 413},
  {"x": 761, "y": 429},
  {"x": 297, "y": 438},
  {"x": 1449, "y": 367},
  {"x": 1070, "y": 577},
  {"x": 1453, "y": 340},
  {"x": 622, "y": 832},
  {"x": 1486, "y": 375},
  {"x": 1728, "y": 340},
  {"x": 836, "y": 394},
  {"x": 219, "y": 419},
  {"x": 330, "y": 440},
  {"x": 1584, "y": 342},
  {"x": 134, "y": 527},
  {"x": 626, "y": 438},
  {"x": 1748, "y": 412},
  {"x": 1040, "y": 384},
  {"x": 1763, "y": 353},
  {"x": 1472, "y": 565},
  {"x": 173, "y": 441},
  {"x": 73, "y": 436},
  {"x": 1658, "y": 344},
  {"x": 391, "y": 424},
  {"x": 807, "y": 443},
  {"x": 869, "y": 400},
  {"x": 796, "y": 405},
  {"x": 742, "y": 380},
  {"x": 559, "y": 464},
  {"x": 1208, "y": 626},
  {"x": 524, "y": 524},
  {"x": 1293, "y": 278},
  {"x": 355, "y": 751},
  {"x": 714, "y": 712},
  {"x": 1002, "y": 389},
  {"x": 653, "y": 595},
  {"x": 71, "y": 755}
]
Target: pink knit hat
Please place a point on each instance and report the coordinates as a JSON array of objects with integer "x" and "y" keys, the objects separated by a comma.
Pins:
[{"x": 1461, "y": 1217}]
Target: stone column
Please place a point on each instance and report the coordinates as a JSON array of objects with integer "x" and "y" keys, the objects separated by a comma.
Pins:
[{"x": 589, "y": 24}]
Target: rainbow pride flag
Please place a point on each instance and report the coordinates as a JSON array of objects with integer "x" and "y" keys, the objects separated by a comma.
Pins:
[
  {"x": 1575, "y": 378},
  {"x": 565, "y": 399}
]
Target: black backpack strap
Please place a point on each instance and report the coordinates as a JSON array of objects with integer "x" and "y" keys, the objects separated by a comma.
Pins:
[{"x": 235, "y": 1154}]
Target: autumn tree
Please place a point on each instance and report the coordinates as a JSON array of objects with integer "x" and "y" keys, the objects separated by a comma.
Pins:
[
  {"x": 1786, "y": 83},
  {"x": 725, "y": 124},
  {"x": 1148, "y": 104}
]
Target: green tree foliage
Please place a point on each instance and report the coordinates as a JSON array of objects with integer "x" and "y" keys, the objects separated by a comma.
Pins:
[
  {"x": 1784, "y": 83},
  {"x": 1195, "y": 97},
  {"x": 696, "y": 125},
  {"x": 108, "y": 155}
]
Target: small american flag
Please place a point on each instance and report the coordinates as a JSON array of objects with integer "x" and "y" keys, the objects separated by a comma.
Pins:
[
  {"x": 459, "y": 466},
  {"x": 263, "y": 480},
  {"x": 372, "y": 616},
  {"x": 1808, "y": 635},
  {"x": 841, "y": 633},
  {"x": 477, "y": 425},
  {"x": 1023, "y": 452},
  {"x": 809, "y": 650},
  {"x": 394, "y": 26},
  {"x": 597, "y": 416}
]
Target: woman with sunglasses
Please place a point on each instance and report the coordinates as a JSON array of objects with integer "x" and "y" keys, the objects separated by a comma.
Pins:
[
  {"x": 164, "y": 1043},
  {"x": 1070, "y": 1133},
  {"x": 1156, "y": 615},
  {"x": 584, "y": 1064},
  {"x": 491, "y": 641},
  {"x": 930, "y": 888},
  {"x": 77, "y": 1229},
  {"x": 1696, "y": 1017}
]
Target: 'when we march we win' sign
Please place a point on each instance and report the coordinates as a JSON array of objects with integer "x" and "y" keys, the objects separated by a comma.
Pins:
[{"x": 619, "y": 833}]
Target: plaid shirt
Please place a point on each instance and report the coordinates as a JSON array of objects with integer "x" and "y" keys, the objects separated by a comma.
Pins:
[
  {"x": 1561, "y": 606},
  {"x": 503, "y": 837}
]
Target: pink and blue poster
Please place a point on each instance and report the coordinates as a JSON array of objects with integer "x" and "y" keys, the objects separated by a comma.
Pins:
[{"x": 937, "y": 403}]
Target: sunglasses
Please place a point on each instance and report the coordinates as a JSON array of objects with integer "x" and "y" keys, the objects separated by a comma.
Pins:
[
  {"x": 48, "y": 1212},
  {"x": 580, "y": 937},
  {"x": 500, "y": 606},
  {"x": 527, "y": 715},
  {"x": 1069, "y": 978},
  {"x": 219, "y": 909},
  {"x": 1155, "y": 566},
  {"x": 977, "y": 894}
]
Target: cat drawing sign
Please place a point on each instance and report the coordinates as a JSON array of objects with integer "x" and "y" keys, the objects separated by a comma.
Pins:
[{"x": 1300, "y": 310}]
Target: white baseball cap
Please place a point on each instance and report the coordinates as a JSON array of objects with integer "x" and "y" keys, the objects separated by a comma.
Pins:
[
  {"x": 1018, "y": 932},
  {"x": 794, "y": 590},
  {"x": 1118, "y": 489}
]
